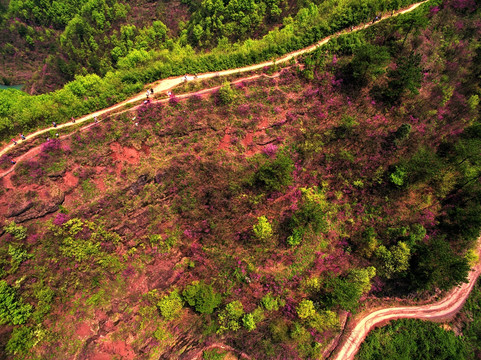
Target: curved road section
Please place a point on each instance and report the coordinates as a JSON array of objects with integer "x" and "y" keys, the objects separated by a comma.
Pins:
[
  {"x": 443, "y": 309},
  {"x": 167, "y": 84}
]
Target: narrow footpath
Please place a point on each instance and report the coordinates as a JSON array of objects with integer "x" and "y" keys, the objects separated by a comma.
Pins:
[{"x": 164, "y": 85}]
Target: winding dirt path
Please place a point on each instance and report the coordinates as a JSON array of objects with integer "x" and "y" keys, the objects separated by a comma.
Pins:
[
  {"x": 36, "y": 150},
  {"x": 169, "y": 83},
  {"x": 443, "y": 309}
]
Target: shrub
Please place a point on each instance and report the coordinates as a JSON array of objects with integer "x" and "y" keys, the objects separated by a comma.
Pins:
[
  {"x": 12, "y": 309},
  {"x": 226, "y": 94},
  {"x": 296, "y": 237},
  {"x": 20, "y": 341},
  {"x": 263, "y": 229},
  {"x": 398, "y": 176},
  {"x": 305, "y": 309},
  {"x": 213, "y": 354},
  {"x": 17, "y": 231},
  {"x": 248, "y": 322},
  {"x": 230, "y": 316},
  {"x": 18, "y": 254},
  {"x": 170, "y": 305},
  {"x": 270, "y": 303},
  {"x": 275, "y": 174},
  {"x": 201, "y": 297}
]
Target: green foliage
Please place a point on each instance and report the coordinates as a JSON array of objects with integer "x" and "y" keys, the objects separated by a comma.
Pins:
[
  {"x": 436, "y": 265},
  {"x": 312, "y": 211},
  {"x": 324, "y": 320},
  {"x": 12, "y": 309},
  {"x": 398, "y": 176},
  {"x": 44, "y": 295},
  {"x": 305, "y": 309},
  {"x": 369, "y": 242},
  {"x": 368, "y": 63},
  {"x": 226, "y": 94},
  {"x": 18, "y": 254},
  {"x": 270, "y": 303},
  {"x": 248, "y": 322},
  {"x": 201, "y": 297},
  {"x": 19, "y": 232},
  {"x": 402, "y": 133},
  {"x": 412, "y": 339},
  {"x": 170, "y": 305},
  {"x": 406, "y": 76},
  {"x": 81, "y": 240},
  {"x": 229, "y": 318},
  {"x": 213, "y": 354},
  {"x": 393, "y": 261},
  {"x": 275, "y": 174},
  {"x": 164, "y": 245},
  {"x": 296, "y": 237},
  {"x": 346, "y": 292},
  {"x": 21, "y": 341},
  {"x": 263, "y": 229}
]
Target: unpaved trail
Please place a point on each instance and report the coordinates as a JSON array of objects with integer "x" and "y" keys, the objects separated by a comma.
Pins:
[
  {"x": 36, "y": 150},
  {"x": 169, "y": 83},
  {"x": 440, "y": 310}
]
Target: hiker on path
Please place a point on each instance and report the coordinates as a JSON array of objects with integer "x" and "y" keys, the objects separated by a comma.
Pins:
[
  {"x": 13, "y": 162},
  {"x": 54, "y": 124},
  {"x": 148, "y": 93},
  {"x": 95, "y": 119},
  {"x": 14, "y": 142},
  {"x": 22, "y": 136},
  {"x": 73, "y": 119},
  {"x": 151, "y": 91}
]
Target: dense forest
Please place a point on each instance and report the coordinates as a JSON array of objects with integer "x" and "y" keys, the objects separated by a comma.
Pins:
[{"x": 257, "y": 215}]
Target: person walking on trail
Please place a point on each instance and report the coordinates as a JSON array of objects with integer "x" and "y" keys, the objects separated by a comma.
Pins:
[
  {"x": 54, "y": 124},
  {"x": 73, "y": 119},
  {"x": 22, "y": 136},
  {"x": 14, "y": 142},
  {"x": 13, "y": 162},
  {"x": 148, "y": 94},
  {"x": 95, "y": 119},
  {"x": 151, "y": 91}
]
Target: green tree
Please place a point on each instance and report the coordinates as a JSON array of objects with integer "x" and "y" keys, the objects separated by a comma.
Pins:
[
  {"x": 248, "y": 322},
  {"x": 406, "y": 76},
  {"x": 226, "y": 94},
  {"x": 435, "y": 265},
  {"x": 305, "y": 309},
  {"x": 369, "y": 62},
  {"x": 19, "y": 232},
  {"x": 275, "y": 174},
  {"x": 393, "y": 261},
  {"x": 21, "y": 340},
  {"x": 201, "y": 297},
  {"x": 263, "y": 229},
  {"x": 12, "y": 309},
  {"x": 170, "y": 305}
]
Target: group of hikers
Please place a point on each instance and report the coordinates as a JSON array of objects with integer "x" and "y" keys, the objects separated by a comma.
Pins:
[{"x": 149, "y": 93}]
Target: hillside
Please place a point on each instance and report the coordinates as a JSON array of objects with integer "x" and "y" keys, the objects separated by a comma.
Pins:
[{"x": 255, "y": 216}]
